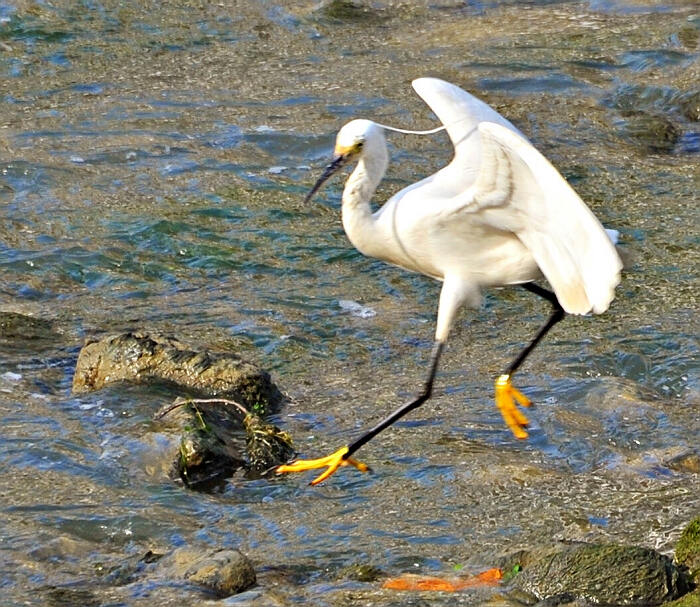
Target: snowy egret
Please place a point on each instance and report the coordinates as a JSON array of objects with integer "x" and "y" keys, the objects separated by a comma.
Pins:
[{"x": 498, "y": 214}]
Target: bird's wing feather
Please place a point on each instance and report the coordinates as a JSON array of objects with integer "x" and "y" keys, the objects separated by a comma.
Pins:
[
  {"x": 518, "y": 190},
  {"x": 461, "y": 113}
]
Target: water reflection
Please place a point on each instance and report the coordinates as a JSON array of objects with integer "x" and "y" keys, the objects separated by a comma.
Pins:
[{"x": 152, "y": 167}]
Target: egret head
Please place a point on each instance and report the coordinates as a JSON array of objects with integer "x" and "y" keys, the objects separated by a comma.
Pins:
[{"x": 355, "y": 137}]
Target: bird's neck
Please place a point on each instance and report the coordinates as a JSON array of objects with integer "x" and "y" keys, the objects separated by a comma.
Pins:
[{"x": 358, "y": 221}]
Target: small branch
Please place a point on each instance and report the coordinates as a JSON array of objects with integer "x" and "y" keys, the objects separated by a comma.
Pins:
[{"x": 195, "y": 401}]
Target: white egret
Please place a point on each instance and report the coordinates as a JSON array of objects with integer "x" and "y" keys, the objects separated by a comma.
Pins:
[{"x": 498, "y": 214}]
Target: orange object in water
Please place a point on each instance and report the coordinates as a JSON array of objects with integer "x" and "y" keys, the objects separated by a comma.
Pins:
[{"x": 413, "y": 582}]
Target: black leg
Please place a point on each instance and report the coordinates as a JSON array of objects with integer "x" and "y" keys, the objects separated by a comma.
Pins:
[
  {"x": 556, "y": 315},
  {"x": 404, "y": 409}
]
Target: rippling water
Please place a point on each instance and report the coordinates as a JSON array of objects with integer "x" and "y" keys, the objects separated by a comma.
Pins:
[{"x": 153, "y": 162}]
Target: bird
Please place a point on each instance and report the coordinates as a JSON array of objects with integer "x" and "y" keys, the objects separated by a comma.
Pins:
[{"x": 499, "y": 214}]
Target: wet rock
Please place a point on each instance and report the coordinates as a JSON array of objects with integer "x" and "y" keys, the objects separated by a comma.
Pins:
[
  {"x": 215, "y": 433},
  {"x": 690, "y": 105},
  {"x": 128, "y": 570},
  {"x": 141, "y": 357},
  {"x": 688, "y": 462},
  {"x": 61, "y": 548},
  {"x": 15, "y": 326},
  {"x": 360, "y": 572},
  {"x": 687, "y": 551},
  {"x": 208, "y": 451},
  {"x": 211, "y": 448},
  {"x": 349, "y": 10},
  {"x": 223, "y": 572},
  {"x": 266, "y": 444},
  {"x": 70, "y": 597},
  {"x": 599, "y": 573}
]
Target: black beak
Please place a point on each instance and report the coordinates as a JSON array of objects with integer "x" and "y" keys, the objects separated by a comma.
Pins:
[{"x": 330, "y": 170}]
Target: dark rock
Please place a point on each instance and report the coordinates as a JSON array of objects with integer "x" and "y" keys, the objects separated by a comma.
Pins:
[
  {"x": 361, "y": 572},
  {"x": 600, "y": 574},
  {"x": 19, "y": 326},
  {"x": 211, "y": 447},
  {"x": 128, "y": 570},
  {"x": 690, "y": 105},
  {"x": 267, "y": 445},
  {"x": 688, "y": 462},
  {"x": 654, "y": 132},
  {"x": 208, "y": 452},
  {"x": 64, "y": 596},
  {"x": 142, "y": 357},
  {"x": 349, "y": 10}
]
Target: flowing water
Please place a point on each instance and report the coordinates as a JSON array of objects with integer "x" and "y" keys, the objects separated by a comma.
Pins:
[{"x": 153, "y": 162}]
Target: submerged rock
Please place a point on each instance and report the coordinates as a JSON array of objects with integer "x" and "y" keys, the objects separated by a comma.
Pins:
[
  {"x": 688, "y": 462},
  {"x": 598, "y": 573},
  {"x": 15, "y": 326},
  {"x": 349, "y": 10},
  {"x": 64, "y": 596},
  {"x": 141, "y": 357},
  {"x": 654, "y": 132},
  {"x": 690, "y": 105},
  {"x": 128, "y": 570},
  {"x": 360, "y": 572}
]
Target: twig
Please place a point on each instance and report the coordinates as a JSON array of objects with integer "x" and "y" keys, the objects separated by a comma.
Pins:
[{"x": 186, "y": 401}]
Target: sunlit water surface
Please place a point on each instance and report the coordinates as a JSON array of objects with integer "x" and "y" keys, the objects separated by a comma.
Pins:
[{"x": 153, "y": 162}]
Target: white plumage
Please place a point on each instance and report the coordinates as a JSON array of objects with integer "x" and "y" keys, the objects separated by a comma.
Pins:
[{"x": 498, "y": 214}]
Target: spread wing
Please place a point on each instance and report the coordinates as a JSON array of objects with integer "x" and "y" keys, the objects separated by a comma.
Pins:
[
  {"x": 461, "y": 113},
  {"x": 518, "y": 190},
  {"x": 498, "y": 176}
]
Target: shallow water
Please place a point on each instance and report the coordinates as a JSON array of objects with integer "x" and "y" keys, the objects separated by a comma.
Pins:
[{"x": 153, "y": 162}]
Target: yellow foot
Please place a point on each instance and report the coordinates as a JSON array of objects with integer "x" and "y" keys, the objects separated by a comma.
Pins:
[
  {"x": 332, "y": 462},
  {"x": 506, "y": 398}
]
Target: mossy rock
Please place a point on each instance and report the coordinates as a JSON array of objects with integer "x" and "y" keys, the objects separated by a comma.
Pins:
[
  {"x": 267, "y": 446},
  {"x": 211, "y": 445},
  {"x": 688, "y": 548},
  {"x": 691, "y": 599},
  {"x": 601, "y": 574},
  {"x": 360, "y": 572}
]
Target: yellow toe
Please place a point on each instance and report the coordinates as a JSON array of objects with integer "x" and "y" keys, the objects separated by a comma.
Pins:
[
  {"x": 507, "y": 399},
  {"x": 331, "y": 462}
]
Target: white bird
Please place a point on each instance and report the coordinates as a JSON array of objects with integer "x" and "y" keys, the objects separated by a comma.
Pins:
[{"x": 498, "y": 214}]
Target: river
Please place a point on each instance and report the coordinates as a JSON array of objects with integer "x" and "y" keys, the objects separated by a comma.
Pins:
[{"x": 153, "y": 163}]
